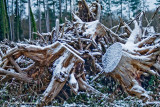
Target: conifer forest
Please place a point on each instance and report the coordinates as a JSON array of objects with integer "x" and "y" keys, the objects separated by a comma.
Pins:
[{"x": 80, "y": 53}]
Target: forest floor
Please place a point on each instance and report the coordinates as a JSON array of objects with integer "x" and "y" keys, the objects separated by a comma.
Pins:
[{"x": 108, "y": 86}]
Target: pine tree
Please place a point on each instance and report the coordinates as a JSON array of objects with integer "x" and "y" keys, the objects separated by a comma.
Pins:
[
  {"x": 33, "y": 23},
  {"x": 17, "y": 21},
  {"x": 29, "y": 19},
  {"x": 119, "y": 3},
  {"x": 21, "y": 13},
  {"x": 12, "y": 21},
  {"x": 7, "y": 19},
  {"x": 2, "y": 20},
  {"x": 135, "y": 6},
  {"x": 60, "y": 11},
  {"x": 157, "y": 2},
  {"x": 47, "y": 17},
  {"x": 4, "y": 26},
  {"x": 39, "y": 14}
]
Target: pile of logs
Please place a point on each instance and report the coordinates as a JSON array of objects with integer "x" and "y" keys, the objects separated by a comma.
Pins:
[{"x": 65, "y": 55}]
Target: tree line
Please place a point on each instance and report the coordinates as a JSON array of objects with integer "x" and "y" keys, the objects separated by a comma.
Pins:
[{"x": 16, "y": 23}]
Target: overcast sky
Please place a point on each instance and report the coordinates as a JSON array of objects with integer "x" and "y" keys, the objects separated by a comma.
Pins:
[{"x": 151, "y": 4}]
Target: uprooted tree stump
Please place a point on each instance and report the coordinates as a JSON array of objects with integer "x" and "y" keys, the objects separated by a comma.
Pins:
[
  {"x": 65, "y": 63},
  {"x": 78, "y": 50},
  {"x": 120, "y": 66},
  {"x": 127, "y": 62}
]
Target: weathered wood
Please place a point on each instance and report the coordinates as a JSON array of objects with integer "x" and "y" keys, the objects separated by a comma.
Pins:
[
  {"x": 15, "y": 64},
  {"x": 133, "y": 59},
  {"x": 19, "y": 76},
  {"x": 61, "y": 63},
  {"x": 64, "y": 65}
]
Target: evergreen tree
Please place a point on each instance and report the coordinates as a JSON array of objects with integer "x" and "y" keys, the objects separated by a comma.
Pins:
[
  {"x": 12, "y": 21},
  {"x": 47, "y": 17},
  {"x": 33, "y": 23},
  {"x": 4, "y": 26},
  {"x": 17, "y": 21},
  {"x": 7, "y": 19},
  {"x": 39, "y": 14},
  {"x": 119, "y": 3},
  {"x": 2, "y": 21},
  {"x": 135, "y": 6},
  {"x": 157, "y": 2},
  {"x": 29, "y": 19},
  {"x": 60, "y": 11},
  {"x": 53, "y": 13},
  {"x": 21, "y": 13}
]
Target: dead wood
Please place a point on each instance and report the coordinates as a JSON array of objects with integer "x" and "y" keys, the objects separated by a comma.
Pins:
[{"x": 63, "y": 57}]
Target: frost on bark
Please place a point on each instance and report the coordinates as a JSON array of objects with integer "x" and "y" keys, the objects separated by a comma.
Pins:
[{"x": 138, "y": 56}]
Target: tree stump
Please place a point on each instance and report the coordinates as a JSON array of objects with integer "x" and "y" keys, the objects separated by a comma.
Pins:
[{"x": 120, "y": 66}]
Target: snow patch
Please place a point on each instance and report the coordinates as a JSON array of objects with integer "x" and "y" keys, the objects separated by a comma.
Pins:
[
  {"x": 78, "y": 20},
  {"x": 130, "y": 44},
  {"x": 73, "y": 82},
  {"x": 91, "y": 27}
]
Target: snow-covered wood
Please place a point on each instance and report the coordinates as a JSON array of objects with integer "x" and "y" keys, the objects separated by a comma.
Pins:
[
  {"x": 112, "y": 57},
  {"x": 137, "y": 56},
  {"x": 63, "y": 57}
]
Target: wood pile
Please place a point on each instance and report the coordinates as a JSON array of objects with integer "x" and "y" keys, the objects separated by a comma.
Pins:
[{"x": 63, "y": 57}]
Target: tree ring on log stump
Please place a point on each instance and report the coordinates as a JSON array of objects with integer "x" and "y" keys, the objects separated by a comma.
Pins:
[{"x": 112, "y": 57}]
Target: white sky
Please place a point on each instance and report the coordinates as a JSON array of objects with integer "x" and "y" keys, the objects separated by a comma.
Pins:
[{"x": 151, "y": 4}]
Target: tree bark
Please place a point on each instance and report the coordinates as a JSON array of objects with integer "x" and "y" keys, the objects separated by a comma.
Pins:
[
  {"x": 39, "y": 15},
  {"x": 12, "y": 23},
  {"x": 60, "y": 11},
  {"x": 29, "y": 17},
  {"x": 47, "y": 17}
]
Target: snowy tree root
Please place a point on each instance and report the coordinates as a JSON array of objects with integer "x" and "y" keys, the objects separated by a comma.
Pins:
[
  {"x": 128, "y": 76},
  {"x": 127, "y": 70},
  {"x": 63, "y": 61}
]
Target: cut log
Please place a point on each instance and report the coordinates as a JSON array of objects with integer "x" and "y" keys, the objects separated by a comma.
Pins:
[{"x": 120, "y": 66}]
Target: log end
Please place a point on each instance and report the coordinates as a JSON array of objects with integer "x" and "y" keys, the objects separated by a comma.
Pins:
[{"x": 112, "y": 57}]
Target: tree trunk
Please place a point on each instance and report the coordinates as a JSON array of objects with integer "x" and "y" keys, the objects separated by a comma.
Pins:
[
  {"x": 12, "y": 23},
  {"x": 127, "y": 62},
  {"x": 70, "y": 9},
  {"x": 39, "y": 15},
  {"x": 60, "y": 11},
  {"x": 66, "y": 7},
  {"x": 7, "y": 19},
  {"x": 121, "y": 9},
  {"x": 17, "y": 21},
  {"x": 29, "y": 17},
  {"x": 124, "y": 69},
  {"x": 45, "y": 13},
  {"x": 129, "y": 9},
  {"x": 47, "y": 17}
]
